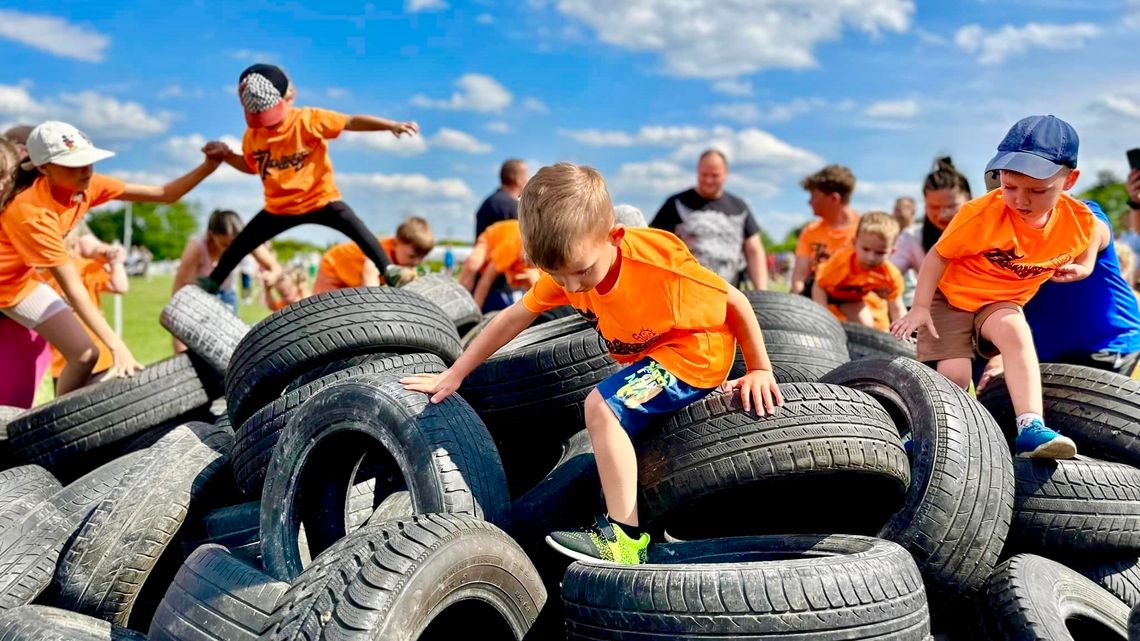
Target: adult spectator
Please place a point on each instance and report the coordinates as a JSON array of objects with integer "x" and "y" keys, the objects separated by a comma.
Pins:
[
  {"x": 716, "y": 226},
  {"x": 904, "y": 211},
  {"x": 910, "y": 235},
  {"x": 504, "y": 203}
]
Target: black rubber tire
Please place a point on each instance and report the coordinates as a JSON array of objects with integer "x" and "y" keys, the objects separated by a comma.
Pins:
[
  {"x": 396, "y": 506},
  {"x": 780, "y": 311},
  {"x": 796, "y": 357},
  {"x": 327, "y": 327},
  {"x": 868, "y": 342},
  {"x": 7, "y": 413},
  {"x": 216, "y": 597},
  {"x": 236, "y": 528},
  {"x": 308, "y": 376},
  {"x": 30, "y": 546},
  {"x": 441, "y": 452},
  {"x": 1099, "y": 410},
  {"x": 255, "y": 441},
  {"x": 1080, "y": 504},
  {"x": 547, "y": 374},
  {"x": 476, "y": 329},
  {"x": 107, "y": 566},
  {"x": 63, "y": 433},
  {"x": 553, "y": 314},
  {"x": 205, "y": 325},
  {"x": 568, "y": 496},
  {"x": 461, "y": 576},
  {"x": 22, "y": 489},
  {"x": 1134, "y": 624},
  {"x": 79, "y": 498},
  {"x": 41, "y": 623},
  {"x": 1119, "y": 576},
  {"x": 957, "y": 512},
  {"x": 455, "y": 301},
  {"x": 829, "y": 446},
  {"x": 557, "y": 329},
  {"x": 823, "y": 588},
  {"x": 1032, "y": 598}
]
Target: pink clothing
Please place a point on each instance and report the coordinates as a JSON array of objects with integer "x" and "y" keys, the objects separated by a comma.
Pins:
[{"x": 27, "y": 356}]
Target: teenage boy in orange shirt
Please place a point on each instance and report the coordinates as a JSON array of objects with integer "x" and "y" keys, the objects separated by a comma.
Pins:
[
  {"x": 858, "y": 283},
  {"x": 830, "y": 192},
  {"x": 992, "y": 258},
  {"x": 672, "y": 322}
]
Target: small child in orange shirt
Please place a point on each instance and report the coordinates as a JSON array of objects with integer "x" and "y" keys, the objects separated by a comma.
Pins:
[
  {"x": 673, "y": 323},
  {"x": 505, "y": 258},
  {"x": 345, "y": 265},
  {"x": 992, "y": 258},
  {"x": 284, "y": 289},
  {"x": 830, "y": 192},
  {"x": 287, "y": 147},
  {"x": 858, "y": 283}
]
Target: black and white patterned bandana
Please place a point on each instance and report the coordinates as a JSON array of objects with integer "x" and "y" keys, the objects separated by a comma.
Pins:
[{"x": 258, "y": 93}]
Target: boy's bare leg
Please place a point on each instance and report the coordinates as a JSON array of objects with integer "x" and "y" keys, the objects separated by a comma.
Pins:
[
  {"x": 65, "y": 331},
  {"x": 617, "y": 462},
  {"x": 1009, "y": 332},
  {"x": 958, "y": 370}
]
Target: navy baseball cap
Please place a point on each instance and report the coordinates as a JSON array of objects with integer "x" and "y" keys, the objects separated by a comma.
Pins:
[{"x": 1037, "y": 146}]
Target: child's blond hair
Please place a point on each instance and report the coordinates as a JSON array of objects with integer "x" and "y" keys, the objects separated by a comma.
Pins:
[
  {"x": 881, "y": 224},
  {"x": 832, "y": 179},
  {"x": 561, "y": 206},
  {"x": 417, "y": 233},
  {"x": 1127, "y": 260}
]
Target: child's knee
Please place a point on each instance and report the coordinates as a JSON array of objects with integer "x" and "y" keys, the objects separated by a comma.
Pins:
[
  {"x": 958, "y": 370},
  {"x": 1007, "y": 328},
  {"x": 597, "y": 412}
]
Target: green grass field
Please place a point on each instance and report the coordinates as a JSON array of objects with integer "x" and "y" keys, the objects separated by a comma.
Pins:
[{"x": 148, "y": 340}]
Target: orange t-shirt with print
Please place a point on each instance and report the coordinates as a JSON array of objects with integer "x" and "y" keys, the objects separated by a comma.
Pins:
[
  {"x": 32, "y": 228},
  {"x": 342, "y": 265},
  {"x": 96, "y": 280},
  {"x": 995, "y": 256},
  {"x": 293, "y": 162},
  {"x": 664, "y": 305},
  {"x": 845, "y": 280},
  {"x": 819, "y": 240},
  {"x": 505, "y": 251}
]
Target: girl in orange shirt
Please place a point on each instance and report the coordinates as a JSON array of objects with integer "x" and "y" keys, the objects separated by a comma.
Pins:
[{"x": 32, "y": 226}]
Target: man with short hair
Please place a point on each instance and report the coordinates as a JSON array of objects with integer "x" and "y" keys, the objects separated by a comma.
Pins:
[
  {"x": 504, "y": 203},
  {"x": 717, "y": 226}
]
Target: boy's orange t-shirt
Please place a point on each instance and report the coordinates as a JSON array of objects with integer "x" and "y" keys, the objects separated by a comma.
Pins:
[
  {"x": 343, "y": 265},
  {"x": 994, "y": 256},
  {"x": 845, "y": 280},
  {"x": 664, "y": 305},
  {"x": 32, "y": 228},
  {"x": 505, "y": 250},
  {"x": 96, "y": 280},
  {"x": 293, "y": 162},
  {"x": 819, "y": 240}
]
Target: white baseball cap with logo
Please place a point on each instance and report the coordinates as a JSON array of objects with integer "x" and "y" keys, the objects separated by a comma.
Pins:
[{"x": 58, "y": 143}]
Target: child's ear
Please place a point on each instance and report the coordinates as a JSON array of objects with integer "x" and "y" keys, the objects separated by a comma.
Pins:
[
  {"x": 1072, "y": 179},
  {"x": 617, "y": 232}
]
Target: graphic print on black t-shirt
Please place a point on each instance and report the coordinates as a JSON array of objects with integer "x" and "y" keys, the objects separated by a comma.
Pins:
[{"x": 714, "y": 230}]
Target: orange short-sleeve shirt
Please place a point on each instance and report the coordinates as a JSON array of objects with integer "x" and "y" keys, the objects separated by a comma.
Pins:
[
  {"x": 995, "y": 256},
  {"x": 664, "y": 305},
  {"x": 505, "y": 250},
  {"x": 96, "y": 280},
  {"x": 32, "y": 228},
  {"x": 845, "y": 280},
  {"x": 342, "y": 266},
  {"x": 293, "y": 162},
  {"x": 819, "y": 240}
]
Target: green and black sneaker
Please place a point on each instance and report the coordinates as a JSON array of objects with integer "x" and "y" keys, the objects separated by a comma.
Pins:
[{"x": 603, "y": 541}]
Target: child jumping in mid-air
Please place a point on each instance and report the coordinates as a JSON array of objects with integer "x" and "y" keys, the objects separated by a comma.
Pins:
[
  {"x": 857, "y": 283},
  {"x": 287, "y": 147},
  {"x": 673, "y": 323},
  {"x": 993, "y": 257}
]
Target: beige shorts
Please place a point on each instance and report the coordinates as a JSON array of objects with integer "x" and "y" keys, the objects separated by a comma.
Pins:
[
  {"x": 959, "y": 331},
  {"x": 37, "y": 307}
]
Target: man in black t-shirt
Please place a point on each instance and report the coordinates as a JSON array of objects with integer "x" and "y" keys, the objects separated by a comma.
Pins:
[
  {"x": 504, "y": 203},
  {"x": 716, "y": 226}
]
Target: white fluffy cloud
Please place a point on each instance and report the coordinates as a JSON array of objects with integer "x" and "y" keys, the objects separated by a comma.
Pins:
[
  {"x": 474, "y": 92},
  {"x": 459, "y": 141},
  {"x": 748, "y": 113},
  {"x": 54, "y": 35},
  {"x": 994, "y": 47},
  {"x": 535, "y": 105},
  {"x": 892, "y": 109},
  {"x": 730, "y": 38},
  {"x": 100, "y": 116},
  {"x": 1119, "y": 106},
  {"x": 445, "y": 138},
  {"x": 416, "y": 6},
  {"x": 417, "y": 185},
  {"x": 742, "y": 112},
  {"x": 498, "y": 127},
  {"x": 733, "y": 87}
]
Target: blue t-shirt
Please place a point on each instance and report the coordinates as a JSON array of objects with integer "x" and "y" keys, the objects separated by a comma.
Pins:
[{"x": 1099, "y": 313}]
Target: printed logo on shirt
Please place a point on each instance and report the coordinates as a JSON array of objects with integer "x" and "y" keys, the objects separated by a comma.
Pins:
[
  {"x": 1005, "y": 258},
  {"x": 819, "y": 253},
  {"x": 265, "y": 162},
  {"x": 645, "y": 338}
]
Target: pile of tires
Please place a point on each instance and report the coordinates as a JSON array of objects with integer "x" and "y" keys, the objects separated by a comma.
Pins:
[{"x": 327, "y": 502}]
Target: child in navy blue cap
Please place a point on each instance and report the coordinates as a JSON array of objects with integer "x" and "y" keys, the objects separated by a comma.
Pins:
[
  {"x": 991, "y": 260},
  {"x": 287, "y": 147}
]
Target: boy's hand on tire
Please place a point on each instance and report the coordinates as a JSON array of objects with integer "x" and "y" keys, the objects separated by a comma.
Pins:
[
  {"x": 759, "y": 390},
  {"x": 439, "y": 386}
]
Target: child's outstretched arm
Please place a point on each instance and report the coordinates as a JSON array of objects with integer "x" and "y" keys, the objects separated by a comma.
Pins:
[
  {"x": 173, "y": 190},
  {"x": 372, "y": 123},
  {"x": 758, "y": 386},
  {"x": 895, "y": 308},
  {"x": 486, "y": 279},
  {"x": 929, "y": 275},
  {"x": 117, "y": 262},
  {"x": 124, "y": 363},
  {"x": 818, "y": 294},
  {"x": 505, "y": 326}
]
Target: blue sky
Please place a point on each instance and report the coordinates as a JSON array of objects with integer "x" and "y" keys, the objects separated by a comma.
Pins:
[{"x": 636, "y": 88}]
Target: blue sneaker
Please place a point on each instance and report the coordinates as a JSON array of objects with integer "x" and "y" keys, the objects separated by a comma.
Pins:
[{"x": 1037, "y": 441}]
